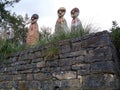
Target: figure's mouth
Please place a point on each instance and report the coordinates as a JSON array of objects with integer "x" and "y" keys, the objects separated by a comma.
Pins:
[{"x": 60, "y": 13}]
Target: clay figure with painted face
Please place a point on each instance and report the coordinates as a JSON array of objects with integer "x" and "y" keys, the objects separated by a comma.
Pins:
[
  {"x": 33, "y": 32},
  {"x": 61, "y": 24},
  {"x": 76, "y": 23}
]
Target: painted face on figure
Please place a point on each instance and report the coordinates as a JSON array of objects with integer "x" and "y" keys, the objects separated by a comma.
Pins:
[
  {"x": 33, "y": 20},
  {"x": 61, "y": 12},
  {"x": 74, "y": 13}
]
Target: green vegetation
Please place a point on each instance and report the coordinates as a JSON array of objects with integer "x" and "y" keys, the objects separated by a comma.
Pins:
[
  {"x": 116, "y": 35},
  {"x": 46, "y": 37},
  {"x": 17, "y": 24},
  {"x": 12, "y": 22},
  {"x": 51, "y": 51},
  {"x": 8, "y": 47}
]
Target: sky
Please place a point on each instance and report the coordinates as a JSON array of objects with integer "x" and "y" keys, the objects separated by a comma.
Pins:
[{"x": 98, "y": 13}]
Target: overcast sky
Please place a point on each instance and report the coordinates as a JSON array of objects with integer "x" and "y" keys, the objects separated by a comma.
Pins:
[{"x": 99, "y": 13}]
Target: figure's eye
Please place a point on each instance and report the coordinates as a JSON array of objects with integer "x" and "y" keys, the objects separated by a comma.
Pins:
[
  {"x": 33, "y": 18},
  {"x": 72, "y": 12}
]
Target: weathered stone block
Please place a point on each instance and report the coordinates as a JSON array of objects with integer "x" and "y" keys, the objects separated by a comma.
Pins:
[
  {"x": 99, "y": 54},
  {"x": 50, "y": 69},
  {"x": 19, "y": 77},
  {"x": 25, "y": 71},
  {"x": 42, "y": 76},
  {"x": 30, "y": 77},
  {"x": 100, "y": 82},
  {"x": 66, "y": 62},
  {"x": 73, "y": 84},
  {"x": 103, "y": 67},
  {"x": 47, "y": 85},
  {"x": 20, "y": 63},
  {"x": 14, "y": 85},
  {"x": 37, "y": 60},
  {"x": 65, "y": 75},
  {"x": 52, "y": 63},
  {"x": 73, "y": 54},
  {"x": 82, "y": 69},
  {"x": 64, "y": 46},
  {"x": 65, "y": 68},
  {"x": 79, "y": 59},
  {"x": 34, "y": 85},
  {"x": 22, "y": 85},
  {"x": 76, "y": 46},
  {"x": 38, "y": 54},
  {"x": 23, "y": 57},
  {"x": 81, "y": 66},
  {"x": 6, "y": 78},
  {"x": 4, "y": 85},
  {"x": 89, "y": 42},
  {"x": 41, "y": 64},
  {"x": 2, "y": 70},
  {"x": 24, "y": 67},
  {"x": 31, "y": 56},
  {"x": 35, "y": 70}
]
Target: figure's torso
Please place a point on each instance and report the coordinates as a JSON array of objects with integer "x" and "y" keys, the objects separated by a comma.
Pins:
[
  {"x": 76, "y": 24},
  {"x": 33, "y": 29},
  {"x": 61, "y": 25}
]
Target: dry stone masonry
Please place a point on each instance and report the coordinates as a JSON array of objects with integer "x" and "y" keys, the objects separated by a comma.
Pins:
[{"x": 87, "y": 63}]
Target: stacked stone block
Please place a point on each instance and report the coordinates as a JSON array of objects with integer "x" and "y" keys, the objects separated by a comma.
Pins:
[{"x": 86, "y": 63}]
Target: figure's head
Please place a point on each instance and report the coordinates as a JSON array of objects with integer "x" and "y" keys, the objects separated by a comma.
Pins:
[
  {"x": 34, "y": 18},
  {"x": 61, "y": 12},
  {"x": 74, "y": 12}
]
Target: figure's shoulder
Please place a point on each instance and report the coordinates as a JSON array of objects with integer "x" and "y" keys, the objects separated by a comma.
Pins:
[
  {"x": 77, "y": 19},
  {"x": 36, "y": 24},
  {"x": 30, "y": 25},
  {"x": 64, "y": 20}
]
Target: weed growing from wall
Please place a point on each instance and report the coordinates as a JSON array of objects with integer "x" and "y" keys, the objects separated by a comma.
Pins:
[{"x": 51, "y": 51}]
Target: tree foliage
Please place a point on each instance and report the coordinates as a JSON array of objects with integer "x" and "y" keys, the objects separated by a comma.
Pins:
[
  {"x": 116, "y": 34},
  {"x": 19, "y": 28},
  {"x": 16, "y": 22},
  {"x": 5, "y": 14}
]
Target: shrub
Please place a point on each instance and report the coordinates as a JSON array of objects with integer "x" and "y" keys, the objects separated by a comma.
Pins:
[
  {"x": 7, "y": 47},
  {"x": 116, "y": 37}
]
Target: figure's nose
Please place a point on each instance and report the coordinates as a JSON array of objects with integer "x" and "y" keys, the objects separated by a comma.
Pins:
[{"x": 60, "y": 12}]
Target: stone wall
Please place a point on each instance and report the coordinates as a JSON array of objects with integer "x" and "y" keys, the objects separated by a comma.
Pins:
[{"x": 87, "y": 63}]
